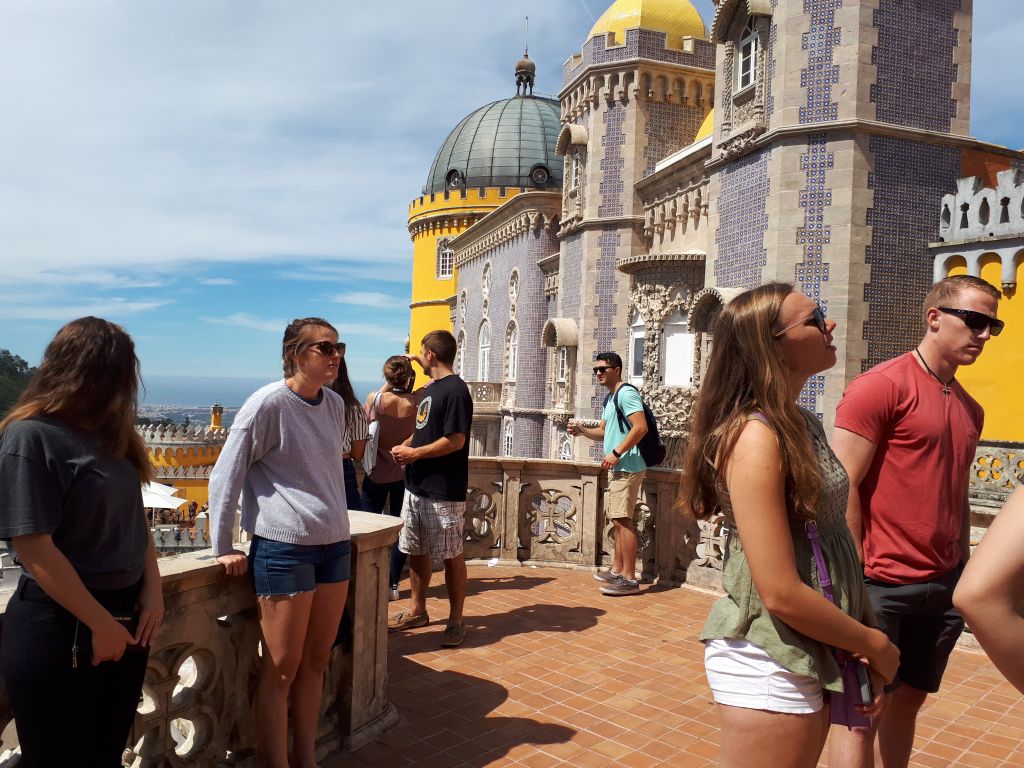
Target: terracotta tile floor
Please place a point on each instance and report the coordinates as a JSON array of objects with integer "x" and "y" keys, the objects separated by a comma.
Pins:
[{"x": 555, "y": 674}]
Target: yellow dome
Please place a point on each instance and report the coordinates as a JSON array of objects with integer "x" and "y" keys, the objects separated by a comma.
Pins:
[
  {"x": 706, "y": 128},
  {"x": 677, "y": 18}
]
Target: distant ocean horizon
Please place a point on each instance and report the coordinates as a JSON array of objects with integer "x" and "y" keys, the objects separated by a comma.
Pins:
[{"x": 200, "y": 392}]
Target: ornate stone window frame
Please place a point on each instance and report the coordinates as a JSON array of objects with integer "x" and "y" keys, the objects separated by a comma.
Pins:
[
  {"x": 739, "y": 23},
  {"x": 508, "y": 436},
  {"x": 565, "y": 449},
  {"x": 747, "y": 60},
  {"x": 572, "y": 145},
  {"x": 637, "y": 336}
]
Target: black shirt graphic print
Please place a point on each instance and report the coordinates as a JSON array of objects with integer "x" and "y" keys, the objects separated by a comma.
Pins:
[{"x": 446, "y": 409}]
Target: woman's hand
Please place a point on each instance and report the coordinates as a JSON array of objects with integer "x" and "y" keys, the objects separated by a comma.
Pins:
[
  {"x": 150, "y": 606},
  {"x": 109, "y": 639},
  {"x": 234, "y": 562},
  {"x": 882, "y": 657},
  {"x": 878, "y": 690}
]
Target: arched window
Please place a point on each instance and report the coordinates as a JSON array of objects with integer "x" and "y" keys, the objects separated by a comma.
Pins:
[
  {"x": 565, "y": 450},
  {"x": 677, "y": 348},
  {"x": 445, "y": 259},
  {"x": 512, "y": 341},
  {"x": 637, "y": 334},
  {"x": 484, "y": 359},
  {"x": 746, "y": 69},
  {"x": 508, "y": 438}
]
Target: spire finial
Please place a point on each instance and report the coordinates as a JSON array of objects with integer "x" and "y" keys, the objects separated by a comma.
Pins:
[{"x": 526, "y": 70}]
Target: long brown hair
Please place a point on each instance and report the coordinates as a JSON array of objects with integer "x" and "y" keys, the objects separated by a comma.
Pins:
[
  {"x": 89, "y": 378},
  {"x": 747, "y": 374},
  {"x": 343, "y": 386}
]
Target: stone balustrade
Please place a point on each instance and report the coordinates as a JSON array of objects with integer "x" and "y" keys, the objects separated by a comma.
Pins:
[
  {"x": 203, "y": 669},
  {"x": 538, "y": 512},
  {"x": 997, "y": 470}
]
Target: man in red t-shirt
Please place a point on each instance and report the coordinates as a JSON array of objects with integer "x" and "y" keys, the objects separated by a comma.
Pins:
[{"x": 906, "y": 431}]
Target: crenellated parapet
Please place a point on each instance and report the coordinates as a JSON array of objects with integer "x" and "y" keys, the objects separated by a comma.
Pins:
[
  {"x": 181, "y": 434},
  {"x": 977, "y": 221}
]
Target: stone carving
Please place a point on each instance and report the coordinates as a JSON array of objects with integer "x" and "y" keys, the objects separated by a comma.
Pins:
[
  {"x": 711, "y": 542},
  {"x": 481, "y": 531},
  {"x": 553, "y": 517},
  {"x": 995, "y": 473},
  {"x": 741, "y": 143}
]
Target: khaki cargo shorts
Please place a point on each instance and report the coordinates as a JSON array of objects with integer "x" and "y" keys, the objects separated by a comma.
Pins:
[{"x": 623, "y": 494}]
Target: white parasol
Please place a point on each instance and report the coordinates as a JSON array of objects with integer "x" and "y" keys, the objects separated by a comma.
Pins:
[{"x": 160, "y": 496}]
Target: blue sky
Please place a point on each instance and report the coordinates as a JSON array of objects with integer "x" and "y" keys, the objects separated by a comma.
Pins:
[{"x": 203, "y": 171}]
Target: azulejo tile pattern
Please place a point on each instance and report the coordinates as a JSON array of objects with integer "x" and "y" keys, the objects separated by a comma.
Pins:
[
  {"x": 908, "y": 180},
  {"x": 606, "y": 333},
  {"x": 919, "y": 96},
  {"x": 814, "y": 236},
  {"x": 640, "y": 43},
  {"x": 612, "y": 163},
  {"x": 669, "y": 128},
  {"x": 744, "y": 221},
  {"x": 821, "y": 73}
]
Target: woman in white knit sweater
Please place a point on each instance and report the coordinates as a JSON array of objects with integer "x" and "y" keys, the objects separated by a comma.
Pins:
[{"x": 293, "y": 503}]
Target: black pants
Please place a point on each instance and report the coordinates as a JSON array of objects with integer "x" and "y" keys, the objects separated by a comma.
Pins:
[
  {"x": 374, "y": 496},
  {"x": 67, "y": 716}
]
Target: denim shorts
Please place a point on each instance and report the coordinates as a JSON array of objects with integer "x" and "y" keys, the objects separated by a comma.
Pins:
[{"x": 279, "y": 568}]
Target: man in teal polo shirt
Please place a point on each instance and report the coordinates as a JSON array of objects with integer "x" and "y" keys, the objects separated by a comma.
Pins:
[{"x": 621, "y": 429}]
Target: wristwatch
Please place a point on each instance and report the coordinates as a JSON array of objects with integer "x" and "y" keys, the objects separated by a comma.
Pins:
[{"x": 616, "y": 454}]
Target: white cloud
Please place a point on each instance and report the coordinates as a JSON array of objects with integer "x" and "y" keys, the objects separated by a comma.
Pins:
[
  {"x": 245, "y": 320},
  {"x": 111, "y": 309},
  {"x": 214, "y": 281},
  {"x": 367, "y": 299}
]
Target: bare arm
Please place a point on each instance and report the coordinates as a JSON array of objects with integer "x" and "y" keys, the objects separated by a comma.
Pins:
[
  {"x": 60, "y": 580},
  {"x": 990, "y": 594},
  {"x": 856, "y": 454},
  {"x": 406, "y": 454},
  {"x": 357, "y": 450},
  {"x": 151, "y": 599},
  {"x": 756, "y": 485}
]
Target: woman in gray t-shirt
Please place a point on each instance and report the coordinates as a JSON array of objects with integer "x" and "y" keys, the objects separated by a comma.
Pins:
[{"x": 281, "y": 457}]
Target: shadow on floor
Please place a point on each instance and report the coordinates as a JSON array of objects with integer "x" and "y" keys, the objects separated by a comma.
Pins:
[
  {"x": 484, "y": 630},
  {"x": 449, "y": 718}
]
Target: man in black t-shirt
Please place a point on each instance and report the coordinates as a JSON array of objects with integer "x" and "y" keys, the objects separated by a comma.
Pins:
[{"x": 436, "y": 461}]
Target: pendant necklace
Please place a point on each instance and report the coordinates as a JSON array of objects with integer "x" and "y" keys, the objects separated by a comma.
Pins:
[{"x": 945, "y": 384}]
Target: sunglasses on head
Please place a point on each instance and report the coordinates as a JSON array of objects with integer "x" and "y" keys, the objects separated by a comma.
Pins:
[
  {"x": 817, "y": 315},
  {"x": 976, "y": 321},
  {"x": 328, "y": 348}
]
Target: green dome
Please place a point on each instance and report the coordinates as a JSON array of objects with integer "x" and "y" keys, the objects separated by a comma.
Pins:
[{"x": 501, "y": 145}]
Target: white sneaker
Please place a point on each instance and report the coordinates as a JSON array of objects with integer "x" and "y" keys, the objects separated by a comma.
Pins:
[{"x": 392, "y": 594}]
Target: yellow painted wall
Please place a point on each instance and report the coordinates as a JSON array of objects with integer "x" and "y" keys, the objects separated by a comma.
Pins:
[
  {"x": 994, "y": 379},
  {"x": 443, "y": 215}
]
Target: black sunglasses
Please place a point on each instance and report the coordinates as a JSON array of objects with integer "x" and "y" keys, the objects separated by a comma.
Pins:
[
  {"x": 602, "y": 368},
  {"x": 817, "y": 315},
  {"x": 976, "y": 321},
  {"x": 328, "y": 348}
]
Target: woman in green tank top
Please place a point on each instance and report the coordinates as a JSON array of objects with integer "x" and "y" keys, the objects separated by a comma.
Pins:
[{"x": 763, "y": 462}]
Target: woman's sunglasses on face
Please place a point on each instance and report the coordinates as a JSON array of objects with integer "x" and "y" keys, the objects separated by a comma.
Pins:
[
  {"x": 817, "y": 315},
  {"x": 328, "y": 348},
  {"x": 976, "y": 321}
]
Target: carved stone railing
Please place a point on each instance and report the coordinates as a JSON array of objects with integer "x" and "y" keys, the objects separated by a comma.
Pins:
[
  {"x": 552, "y": 513},
  {"x": 197, "y": 706},
  {"x": 997, "y": 470},
  {"x": 486, "y": 396}
]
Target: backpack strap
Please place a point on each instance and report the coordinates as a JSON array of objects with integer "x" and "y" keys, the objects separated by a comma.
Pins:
[
  {"x": 623, "y": 421},
  {"x": 373, "y": 407}
]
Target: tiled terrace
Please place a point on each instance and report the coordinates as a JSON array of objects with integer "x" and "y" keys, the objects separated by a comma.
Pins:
[{"x": 555, "y": 674}]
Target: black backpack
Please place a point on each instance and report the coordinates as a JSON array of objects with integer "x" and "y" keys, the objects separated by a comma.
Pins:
[{"x": 652, "y": 450}]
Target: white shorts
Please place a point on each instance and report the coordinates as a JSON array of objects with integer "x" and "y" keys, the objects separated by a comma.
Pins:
[{"x": 740, "y": 674}]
